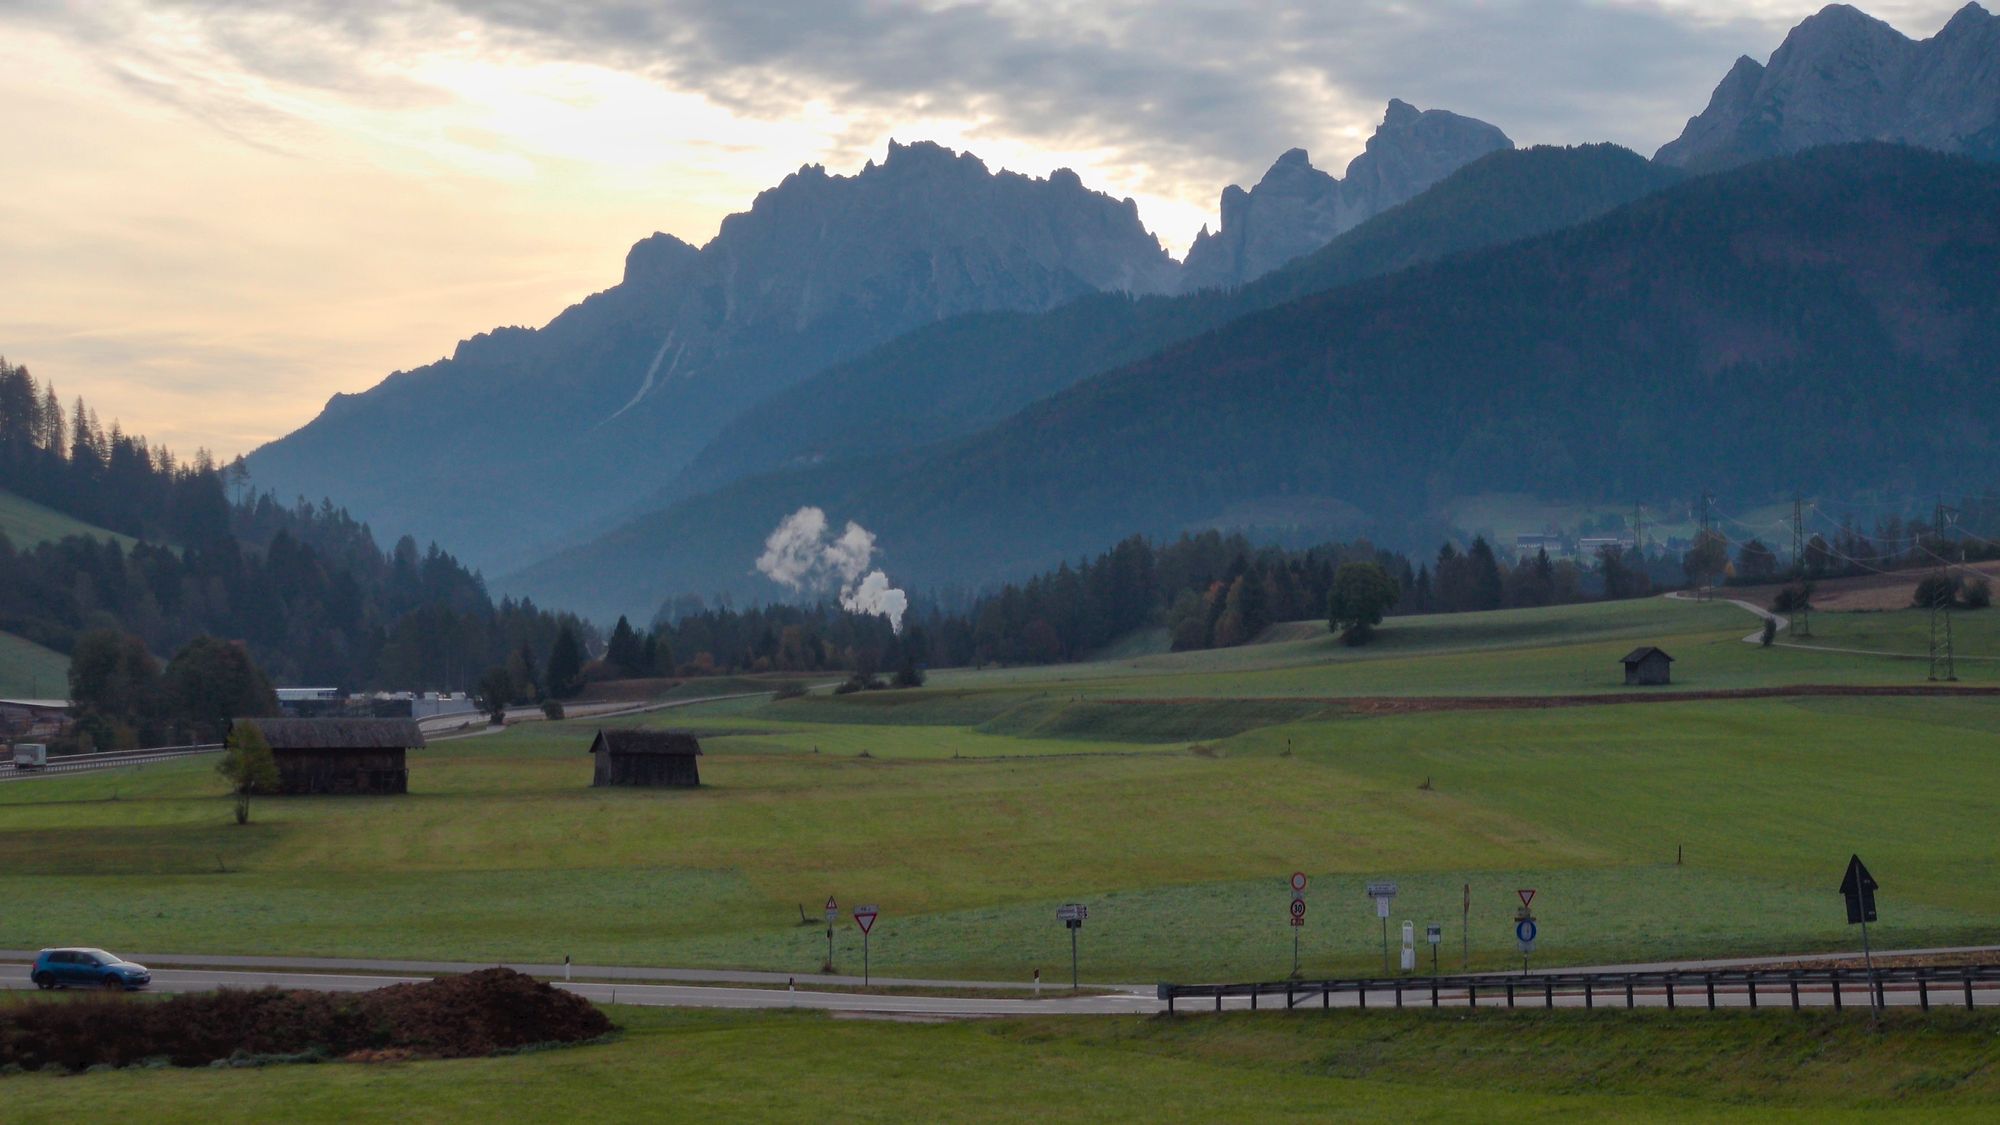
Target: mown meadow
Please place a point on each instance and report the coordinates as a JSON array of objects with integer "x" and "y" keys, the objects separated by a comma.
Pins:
[{"x": 1172, "y": 793}]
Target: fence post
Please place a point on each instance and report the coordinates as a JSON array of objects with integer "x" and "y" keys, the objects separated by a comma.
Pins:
[
  {"x": 1629, "y": 1002},
  {"x": 1434, "y": 992},
  {"x": 1750, "y": 982},
  {"x": 1588, "y": 1002},
  {"x": 1835, "y": 977},
  {"x": 1709, "y": 980},
  {"x": 1253, "y": 997},
  {"x": 1399, "y": 992},
  {"x": 1670, "y": 991},
  {"x": 1361, "y": 996},
  {"x": 1471, "y": 995},
  {"x": 1924, "y": 988},
  {"x": 1510, "y": 994},
  {"x": 1793, "y": 977},
  {"x": 1968, "y": 989},
  {"x": 1326, "y": 997},
  {"x": 1548, "y": 993}
]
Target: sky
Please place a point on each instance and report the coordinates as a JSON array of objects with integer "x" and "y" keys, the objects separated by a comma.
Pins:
[{"x": 217, "y": 214}]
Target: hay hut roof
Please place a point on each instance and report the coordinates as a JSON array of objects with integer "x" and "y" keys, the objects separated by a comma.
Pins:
[
  {"x": 339, "y": 734},
  {"x": 646, "y": 742}
]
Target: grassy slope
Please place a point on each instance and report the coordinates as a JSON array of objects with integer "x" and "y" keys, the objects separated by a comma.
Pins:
[
  {"x": 27, "y": 670},
  {"x": 1495, "y": 1066},
  {"x": 26, "y": 523}
]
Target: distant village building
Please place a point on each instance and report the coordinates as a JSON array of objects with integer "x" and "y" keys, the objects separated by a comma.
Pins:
[
  {"x": 1589, "y": 545},
  {"x": 646, "y": 758},
  {"x": 1648, "y": 665},
  {"x": 33, "y": 720},
  {"x": 316, "y": 756},
  {"x": 1528, "y": 545},
  {"x": 310, "y": 702}
]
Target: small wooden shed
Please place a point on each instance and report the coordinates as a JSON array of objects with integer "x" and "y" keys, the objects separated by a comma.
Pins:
[
  {"x": 646, "y": 757},
  {"x": 1648, "y": 665},
  {"x": 340, "y": 755}
]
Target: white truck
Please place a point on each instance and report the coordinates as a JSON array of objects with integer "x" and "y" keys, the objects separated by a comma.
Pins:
[{"x": 30, "y": 755}]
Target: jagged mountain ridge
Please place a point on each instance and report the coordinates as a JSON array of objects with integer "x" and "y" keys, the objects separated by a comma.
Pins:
[
  {"x": 1842, "y": 76},
  {"x": 1794, "y": 321},
  {"x": 963, "y": 374},
  {"x": 556, "y": 426},
  {"x": 1297, "y": 208}
]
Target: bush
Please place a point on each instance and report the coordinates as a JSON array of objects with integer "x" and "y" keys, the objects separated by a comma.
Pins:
[
  {"x": 552, "y": 709},
  {"x": 451, "y": 1017},
  {"x": 1770, "y": 632},
  {"x": 847, "y": 688},
  {"x": 791, "y": 689},
  {"x": 1936, "y": 591},
  {"x": 1977, "y": 593}
]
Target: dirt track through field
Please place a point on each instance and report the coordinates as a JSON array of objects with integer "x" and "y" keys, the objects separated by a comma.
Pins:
[{"x": 1410, "y": 704}]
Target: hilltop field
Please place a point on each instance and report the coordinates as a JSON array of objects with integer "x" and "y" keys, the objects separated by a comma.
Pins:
[{"x": 1173, "y": 793}]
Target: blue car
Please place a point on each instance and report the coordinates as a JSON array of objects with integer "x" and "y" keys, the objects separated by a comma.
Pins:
[{"x": 87, "y": 968}]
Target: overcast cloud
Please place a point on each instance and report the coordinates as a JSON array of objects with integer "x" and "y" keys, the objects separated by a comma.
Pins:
[{"x": 471, "y": 140}]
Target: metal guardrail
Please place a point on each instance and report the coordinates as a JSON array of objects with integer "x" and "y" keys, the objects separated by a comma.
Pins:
[
  {"x": 77, "y": 763},
  {"x": 1693, "y": 988}
]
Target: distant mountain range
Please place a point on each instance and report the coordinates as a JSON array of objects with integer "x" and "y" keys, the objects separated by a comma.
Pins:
[
  {"x": 1843, "y": 75},
  {"x": 528, "y": 435},
  {"x": 993, "y": 371},
  {"x": 1296, "y": 208},
  {"x": 1830, "y": 319}
]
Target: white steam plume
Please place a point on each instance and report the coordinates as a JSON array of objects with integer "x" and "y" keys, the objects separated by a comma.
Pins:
[
  {"x": 876, "y": 596},
  {"x": 799, "y": 555}
]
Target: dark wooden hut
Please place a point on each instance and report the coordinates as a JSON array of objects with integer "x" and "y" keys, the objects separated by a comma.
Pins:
[
  {"x": 1648, "y": 665},
  {"x": 646, "y": 757},
  {"x": 340, "y": 755}
]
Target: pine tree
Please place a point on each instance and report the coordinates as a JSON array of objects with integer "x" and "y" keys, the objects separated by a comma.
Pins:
[{"x": 565, "y": 664}]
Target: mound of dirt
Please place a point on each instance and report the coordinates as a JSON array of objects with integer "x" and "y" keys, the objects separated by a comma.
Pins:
[{"x": 451, "y": 1017}]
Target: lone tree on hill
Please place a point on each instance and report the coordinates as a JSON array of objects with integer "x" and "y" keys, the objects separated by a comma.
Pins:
[
  {"x": 249, "y": 766},
  {"x": 1361, "y": 594}
]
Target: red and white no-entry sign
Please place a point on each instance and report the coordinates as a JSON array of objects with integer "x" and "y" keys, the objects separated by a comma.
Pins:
[
  {"x": 1298, "y": 880},
  {"x": 864, "y": 916}
]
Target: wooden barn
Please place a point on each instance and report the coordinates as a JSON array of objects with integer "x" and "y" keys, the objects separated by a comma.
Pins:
[
  {"x": 646, "y": 757},
  {"x": 1648, "y": 665},
  {"x": 340, "y": 755}
]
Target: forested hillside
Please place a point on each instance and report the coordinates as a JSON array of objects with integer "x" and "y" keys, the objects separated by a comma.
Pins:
[
  {"x": 1827, "y": 321},
  {"x": 306, "y": 589}
]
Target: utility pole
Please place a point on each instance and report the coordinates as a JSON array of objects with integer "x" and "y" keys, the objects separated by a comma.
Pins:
[
  {"x": 1801, "y": 616},
  {"x": 1703, "y": 537},
  {"x": 1942, "y": 667}
]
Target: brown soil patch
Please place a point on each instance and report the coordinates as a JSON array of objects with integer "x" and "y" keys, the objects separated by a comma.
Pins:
[
  {"x": 1409, "y": 704},
  {"x": 1867, "y": 592}
]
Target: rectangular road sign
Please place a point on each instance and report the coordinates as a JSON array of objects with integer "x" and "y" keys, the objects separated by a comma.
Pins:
[
  {"x": 1381, "y": 890},
  {"x": 1073, "y": 912},
  {"x": 864, "y": 916},
  {"x": 1434, "y": 933}
]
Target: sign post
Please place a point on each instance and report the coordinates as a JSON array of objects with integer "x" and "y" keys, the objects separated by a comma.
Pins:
[
  {"x": 1525, "y": 929},
  {"x": 1298, "y": 915},
  {"x": 864, "y": 916},
  {"x": 1858, "y": 888},
  {"x": 1072, "y": 916},
  {"x": 1383, "y": 893},
  {"x": 1434, "y": 934},
  {"x": 1465, "y": 932},
  {"x": 832, "y": 912}
]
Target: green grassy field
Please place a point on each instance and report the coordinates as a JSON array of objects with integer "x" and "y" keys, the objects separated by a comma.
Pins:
[
  {"x": 1975, "y": 636},
  {"x": 1493, "y": 1066},
  {"x": 29, "y": 671},
  {"x": 26, "y": 523},
  {"x": 969, "y": 811}
]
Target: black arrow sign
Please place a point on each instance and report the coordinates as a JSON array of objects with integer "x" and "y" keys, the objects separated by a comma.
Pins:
[{"x": 1858, "y": 887}]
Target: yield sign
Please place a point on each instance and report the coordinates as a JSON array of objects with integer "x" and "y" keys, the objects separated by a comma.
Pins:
[
  {"x": 1527, "y": 896},
  {"x": 864, "y": 916},
  {"x": 1858, "y": 887}
]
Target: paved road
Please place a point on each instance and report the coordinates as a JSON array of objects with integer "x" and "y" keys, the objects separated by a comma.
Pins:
[{"x": 660, "y": 987}]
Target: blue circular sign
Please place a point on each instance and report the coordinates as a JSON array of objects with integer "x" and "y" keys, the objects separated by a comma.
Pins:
[{"x": 1525, "y": 931}]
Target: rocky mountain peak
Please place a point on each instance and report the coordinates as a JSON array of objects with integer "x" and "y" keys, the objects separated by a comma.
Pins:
[
  {"x": 1842, "y": 75},
  {"x": 1297, "y": 208}
]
